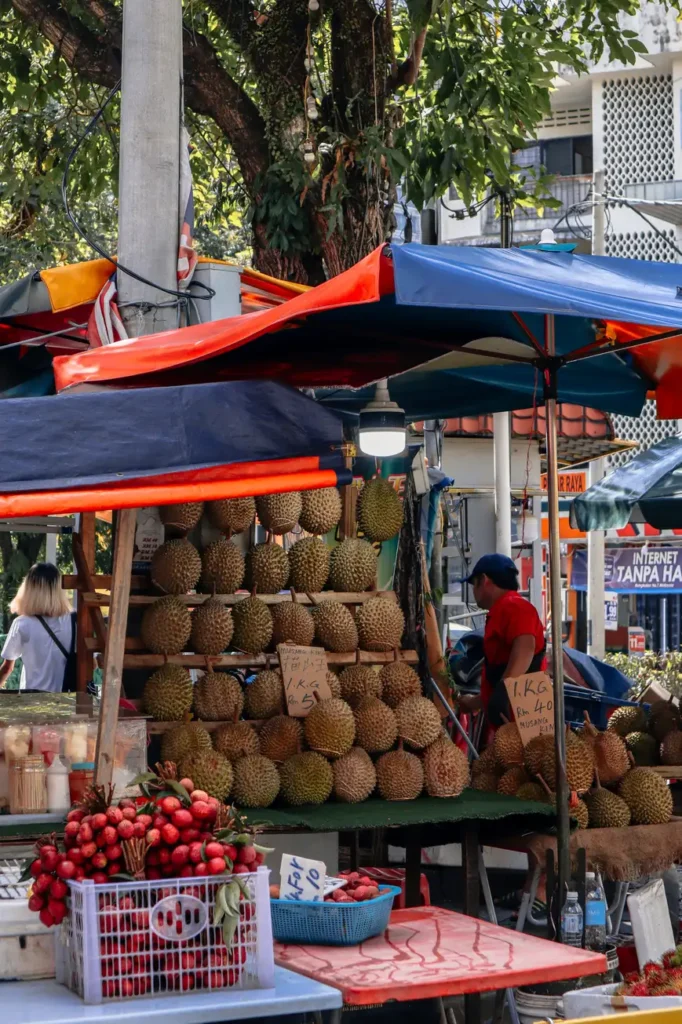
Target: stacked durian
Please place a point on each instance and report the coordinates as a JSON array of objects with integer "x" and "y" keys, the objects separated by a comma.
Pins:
[{"x": 608, "y": 788}]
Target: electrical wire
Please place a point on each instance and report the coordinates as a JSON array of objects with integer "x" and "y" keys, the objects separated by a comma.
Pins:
[{"x": 89, "y": 129}]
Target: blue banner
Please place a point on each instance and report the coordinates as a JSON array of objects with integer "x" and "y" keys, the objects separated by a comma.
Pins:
[{"x": 642, "y": 570}]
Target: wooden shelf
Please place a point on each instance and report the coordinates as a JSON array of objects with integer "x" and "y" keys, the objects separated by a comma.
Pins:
[
  {"x": 260, "y": 660},
  {"x": 193, "y": 600},
  {"x": 670, "y": 771}
]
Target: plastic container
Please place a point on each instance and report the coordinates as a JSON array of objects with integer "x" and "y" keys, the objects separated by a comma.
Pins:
[
  {"x": 572, "y": 921},
  {"x": 602, "y": 1001},
  {"x": 81, "y": 778},
  {"x": 153, "y": 938},
  {"x": 58, "y": 789},
  {"x": 332, "y": 924},
  {"x": 577, "y": 700},
  {"x": 28, "y": 785},
  {"x": 595, "y": 913},
  {"x": 533, "y": 1008}
]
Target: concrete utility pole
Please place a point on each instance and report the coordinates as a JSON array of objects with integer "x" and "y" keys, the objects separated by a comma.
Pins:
[
  {"x": 431, "y": 432},
  {"x": 149, "y": 180},
  {"x": 502, "y": 430},
  {"x": 596, "y": 641}
]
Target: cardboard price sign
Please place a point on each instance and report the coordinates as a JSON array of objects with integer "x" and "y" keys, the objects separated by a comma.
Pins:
[
  {"x": 532, "y": 702},
  {"x": 302, "y": 879},
  {"x": 304, "y": 674}
]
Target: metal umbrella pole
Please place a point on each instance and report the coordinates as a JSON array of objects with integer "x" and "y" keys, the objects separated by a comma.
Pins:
[{"x": 550, "y": 393}]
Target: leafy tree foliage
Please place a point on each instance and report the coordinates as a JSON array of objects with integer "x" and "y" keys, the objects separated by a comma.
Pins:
[{"x": 302, "y": 120}]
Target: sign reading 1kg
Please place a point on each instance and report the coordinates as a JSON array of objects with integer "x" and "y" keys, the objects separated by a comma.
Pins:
[{"x": 532, "y": 702}]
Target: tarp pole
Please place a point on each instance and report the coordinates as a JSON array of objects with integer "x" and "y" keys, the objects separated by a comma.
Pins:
[{"x": 550, "y": 392}]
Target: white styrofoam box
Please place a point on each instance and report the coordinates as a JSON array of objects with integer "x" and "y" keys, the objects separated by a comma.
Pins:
[
  {"x": 601, "y": 1001},
  {"x": 26, "y": 945}
]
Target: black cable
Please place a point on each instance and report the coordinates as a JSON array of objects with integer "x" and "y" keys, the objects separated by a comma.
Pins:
[
  {"x": 94, "y": 245},
  {"x": 662, "y": 234}
]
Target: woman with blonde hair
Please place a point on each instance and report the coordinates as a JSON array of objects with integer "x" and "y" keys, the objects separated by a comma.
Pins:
[{"x": 43, "y": 633}]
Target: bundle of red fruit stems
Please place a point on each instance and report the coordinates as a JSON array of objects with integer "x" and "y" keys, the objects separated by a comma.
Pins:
[
  {"x": 173, "y": 841},
  {"x": 664, "y": 979}
]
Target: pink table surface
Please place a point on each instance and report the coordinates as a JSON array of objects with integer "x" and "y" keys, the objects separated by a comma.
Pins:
[{"x": 427, "y": 952}]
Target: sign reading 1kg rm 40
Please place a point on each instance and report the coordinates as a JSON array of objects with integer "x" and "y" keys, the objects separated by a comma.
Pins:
[{"x": 532, "y": 702}]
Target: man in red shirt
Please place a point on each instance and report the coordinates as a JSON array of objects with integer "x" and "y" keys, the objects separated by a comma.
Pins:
[{"x": 514, "y": 638}]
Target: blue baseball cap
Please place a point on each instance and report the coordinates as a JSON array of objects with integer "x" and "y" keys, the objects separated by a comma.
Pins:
[{"x": 491, "y": 565}]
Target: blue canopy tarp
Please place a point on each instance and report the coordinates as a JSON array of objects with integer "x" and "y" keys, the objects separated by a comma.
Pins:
[{"x": 648, "y": 489}]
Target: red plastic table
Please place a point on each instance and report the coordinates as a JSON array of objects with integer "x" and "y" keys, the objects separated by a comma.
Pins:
[{"x": 429, "y": 952}]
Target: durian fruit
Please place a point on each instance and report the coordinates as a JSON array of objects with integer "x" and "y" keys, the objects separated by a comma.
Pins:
[
  {"x": 379, "y": 510},
  {"x": 334, "y": 683},
  {"x": 643, "y": 747},
  {"x": 353, "y": 566},
  {"x": 306, "y": 779},
  {"x": 252, "y": 625},
  {"x": 376, "y": 727},
  {"x": 309, "y": 560},
  {"x": 209, "y": 771},
  {"x": 320, "y": 510},
  {"x": 292, "y": 622},
  {"x": 400, "y": 775},
  {"x": 279, "y": 513},
  {"x": 212, "y": 628},
  {"x": 236, "y": 740},
  {"x": 182, "y": 517},
  {"x": 176, "y": 567},
  {"x": 664, "y": 716},
  {"x": 648, "y": 797},
  {"x": 265, "y": 695},
  {"x": 607, "y": 810},
  {"x": 335, "y": 627},
  {"x": 231, "y": 515},
  {"x": 329, "y": 728},
  {"x": 508, "y": 745},
  {"x": 580, "y": 813},
  {"x": 186, "y": 738},
  {"x": 280, "y": 738},
  {"x": 256, "y": 781},
  {"x": 609, "y": 753},
  {"x": 512, "y": 779},
  {"x": 267, "y": 568},
  {"x": 486, "y": 761},
  {"x": 222, "y": 568},
  {"x": 628, "y": 718},
  {"x": 419, "y": 722},
  {"x": 485, "y": 781},
  {"x": 446, "y": 768},
  {"x": 358, "y": 682},
  {"x": 531, "y": 791},
  {"x": 355, "y": 776},
  {"x": 166, "y": 626},
  {"x": 399, "y": 681},
  {"x": 167, "y": 694},
  {"x": 579, "y": 764},
  {"x": 534, "y": 752},
  {"x": 671, "y": 748},
  {"x": 218, "y": 697},
  {"x": 380, "y": 623}
]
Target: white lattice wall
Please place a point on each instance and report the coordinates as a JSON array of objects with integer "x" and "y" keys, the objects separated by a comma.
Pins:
[
  {"x": 645, "y": 429},
  {"x": 641, "y": 245},
  {"x": 638, "y": 130}
]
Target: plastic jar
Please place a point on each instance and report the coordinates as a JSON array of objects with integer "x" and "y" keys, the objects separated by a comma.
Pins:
[
  {"x": 81, "y": 778},
  {"x": 58, "y": 789},
  {"x": 28, "y": 785}
]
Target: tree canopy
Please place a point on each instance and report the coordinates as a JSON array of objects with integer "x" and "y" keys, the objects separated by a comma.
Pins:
[{"x": 304, "y": 115}]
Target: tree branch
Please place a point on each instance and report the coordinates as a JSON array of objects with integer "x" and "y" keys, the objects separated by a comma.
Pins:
[
  {"x": 408, "y": 72},
  {"x": 79, "y": 47},
  {"x": 239, "y": 18}
]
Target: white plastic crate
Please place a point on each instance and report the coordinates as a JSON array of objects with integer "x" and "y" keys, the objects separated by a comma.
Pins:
[
  {"x": 602, "y": 1001},
  {"x": 150, "y": 938}
]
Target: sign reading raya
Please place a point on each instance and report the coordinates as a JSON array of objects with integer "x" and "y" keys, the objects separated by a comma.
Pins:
[{"x": 645, "y": 570}]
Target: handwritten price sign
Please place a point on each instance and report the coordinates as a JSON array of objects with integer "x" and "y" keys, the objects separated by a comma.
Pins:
[
  {"x": 304, "y": 674},
  {"x": 302, "y": 879},
  {"x": 532, "y": 703}
]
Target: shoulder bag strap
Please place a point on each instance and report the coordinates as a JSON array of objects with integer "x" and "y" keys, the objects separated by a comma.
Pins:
[{"x": 47, "y": 629}]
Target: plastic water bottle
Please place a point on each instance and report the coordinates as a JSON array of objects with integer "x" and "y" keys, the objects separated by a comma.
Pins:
[
  {"x": 572, "y": 921},
  {"x": 595, "y": 913}
]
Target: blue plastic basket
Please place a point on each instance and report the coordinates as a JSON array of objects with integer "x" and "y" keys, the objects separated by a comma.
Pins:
[
  {"x": 331, "y": 924},
  {"x": 599, "y": 706}
]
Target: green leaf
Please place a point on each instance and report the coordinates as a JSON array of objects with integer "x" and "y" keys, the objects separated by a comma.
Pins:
[
  {"x": 179, "y": 790},
  {"x": 144, "y": 777}
]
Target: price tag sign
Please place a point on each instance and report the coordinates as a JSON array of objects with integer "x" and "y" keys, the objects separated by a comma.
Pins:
[
  {"x": 304, "y": 674},
  {"x": 532, "y": 702},
  {"x": 302, "y": 879}
]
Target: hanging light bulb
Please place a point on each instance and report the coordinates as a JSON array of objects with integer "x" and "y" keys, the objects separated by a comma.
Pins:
[
  {"x": 313, "y": 6},
  {"x": 311, "y": 109},
  {"x": 309, "y": 153},
  {"x": 382, "y": 425},
  {"x": 308, "y": 64}
]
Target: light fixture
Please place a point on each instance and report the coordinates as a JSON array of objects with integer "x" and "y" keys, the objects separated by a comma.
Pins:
[{"x": 382, "y": 425}]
